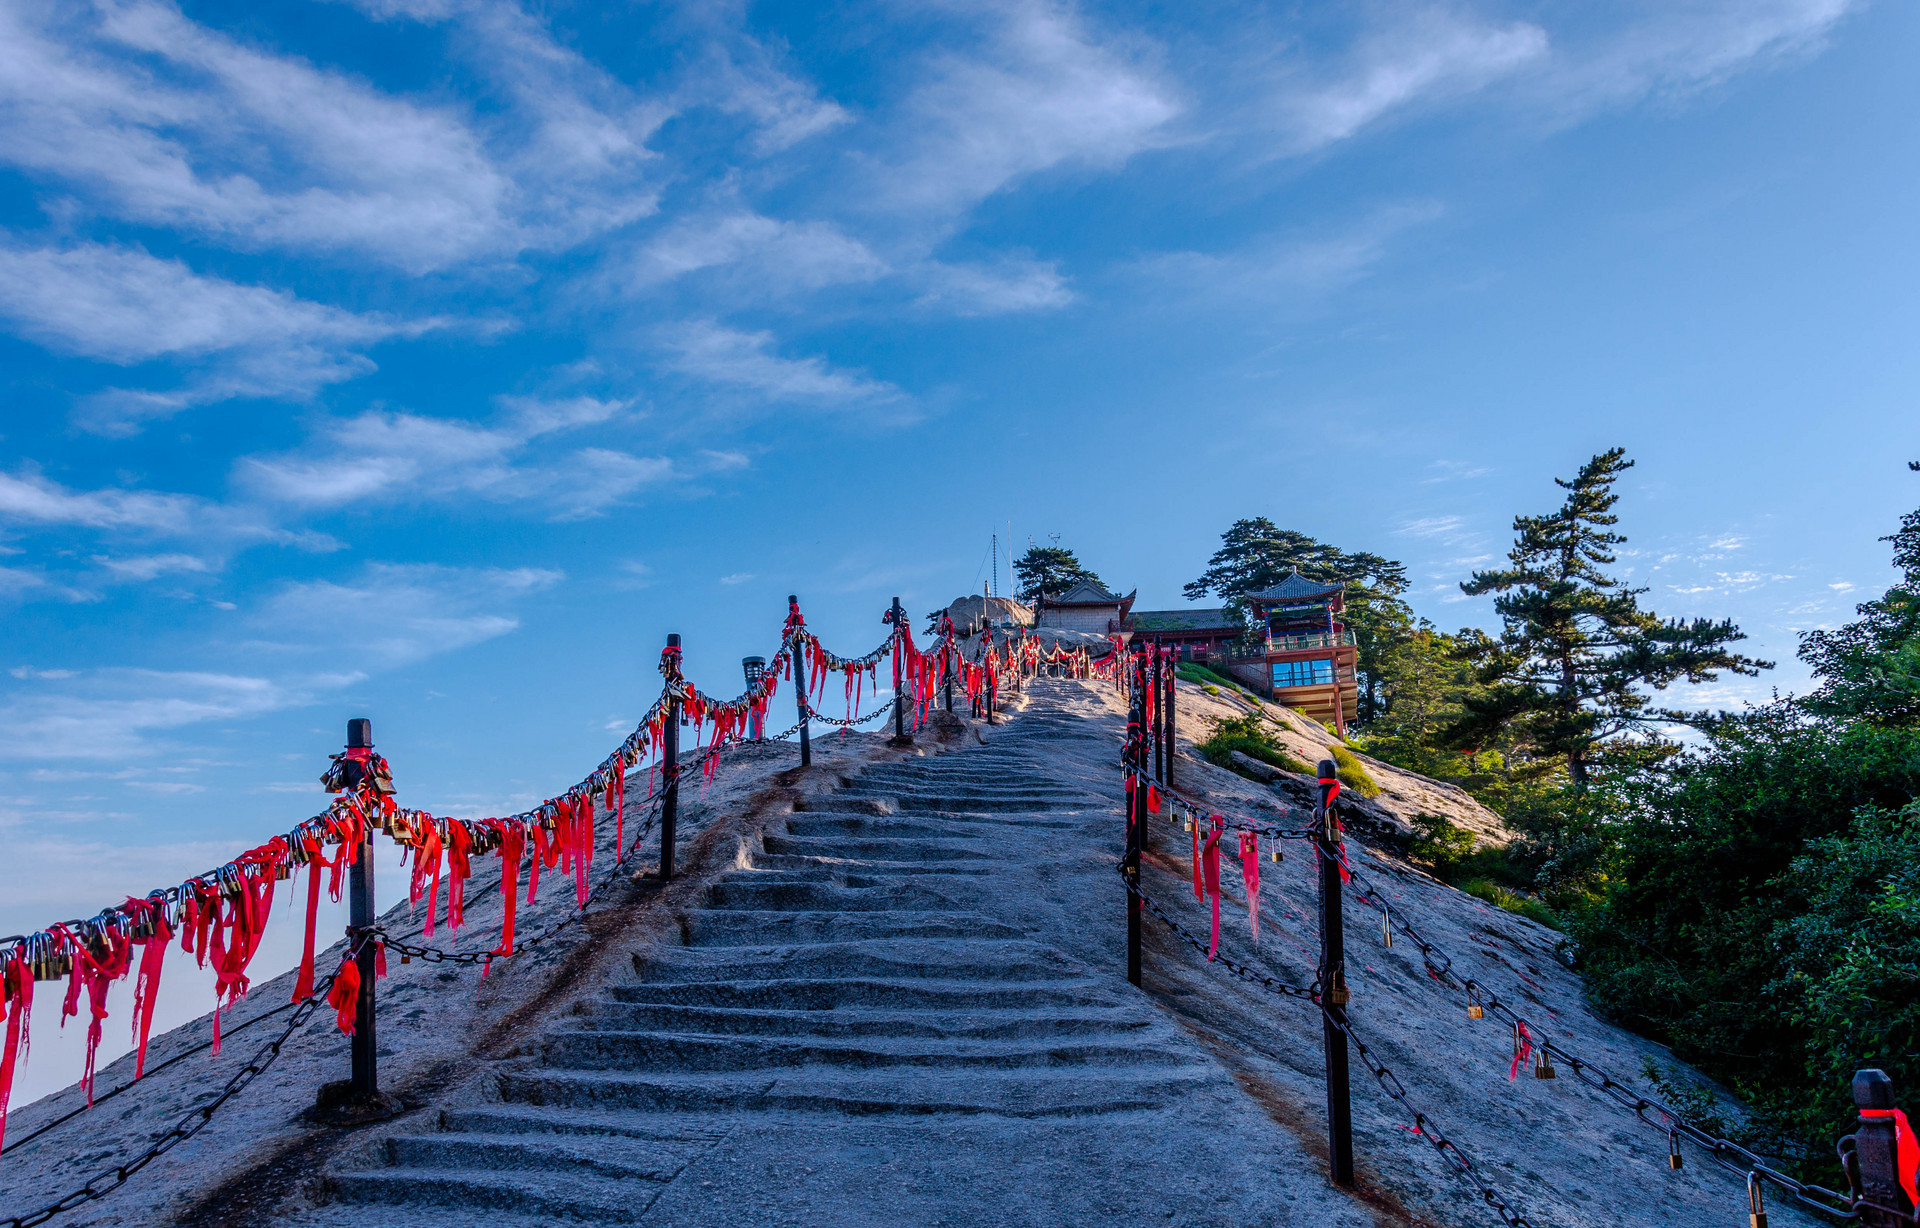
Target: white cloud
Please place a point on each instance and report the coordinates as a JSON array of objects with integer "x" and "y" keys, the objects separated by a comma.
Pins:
[
  {"x": 395, "y": 614},
  {"x": 1287, "y": 268},
  {"x": 1008, "y": 285},
  {"x": 152, "y": 566},
  {"x": 26, "y": 497},
  {"x": 775, "y": 255},
  {"x": 1447, "y": 528},
  {"x": 124, "y": 306},
  {"x": 710, "y": 351},
  {"x": 738, "y": 577},
  {"x": 379, "y": 455},
  {"x": 111, "y": 714},
  {"x": 1422, "y": 54},
  {"x": 164, "y": 121},
  {"x": 1039, "y": 94}
]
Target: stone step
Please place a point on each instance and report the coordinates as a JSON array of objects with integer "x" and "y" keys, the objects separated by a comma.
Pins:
[
  {"x": 816, "y": 896},
  {"x": 610, "y": 1014},
  {"x": 956, "y": 827},
  {"x": 686, "y": 1052},
  {"x": 980, "y": 960},
  {"x": 1036, "y": 792},
  {"x": 868, "y": 871},
  {"x": 906, "y": 1091},
  {"x": 837, "y": 993},
  {"x": 672, "y": 1129},
  {"x": 648, "y": 1160},
  {"x": 895, "y": 849},
  {"x": 941, "y": 803},
  {"x": 546, "y": 1195},
  {"x": 730, "y": 927}
]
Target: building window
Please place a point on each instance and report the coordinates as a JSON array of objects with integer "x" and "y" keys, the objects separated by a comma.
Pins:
[{"x": 1303, "y": 673}]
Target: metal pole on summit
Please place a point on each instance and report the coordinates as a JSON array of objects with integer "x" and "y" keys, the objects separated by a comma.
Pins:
[
  {"x": 670, "y": 770},
  {"x": 1136, "y": 810},
  {"x": 1333, "y": 981},
  {"x": 900, "y": 737},
  {"x": 800, "y": 687},
  {"x": 366, "y": 1075}
]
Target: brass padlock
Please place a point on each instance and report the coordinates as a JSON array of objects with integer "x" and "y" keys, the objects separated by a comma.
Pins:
[
  {"x": 1474, "y": 1009},
  {"x": 1543, "y": 1065},
  {"x": 1277, "y": 856},
  {"x": 405, "y": 958},
  {"x": 1673, "y": 1148},
  {"x": 1386, "y": 929},
  {"x": 1188, "y": 825},
  {"x": 1757, "y": 1217}
]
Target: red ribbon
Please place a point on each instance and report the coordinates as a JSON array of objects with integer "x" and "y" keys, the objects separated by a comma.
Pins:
[
  {"x": 1250, "y": 875},
  {"x": 1210, "y": 856},
  {"x": 344, "y": 997},
  {"x": 1525, "y": 1050},
  {"x": 16, "y": 998},
  {"x": 146, "y": 986}
]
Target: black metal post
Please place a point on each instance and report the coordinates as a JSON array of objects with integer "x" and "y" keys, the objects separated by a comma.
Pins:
[
  {"x": 800, "y": 693},
  {"x": 1136, "y": 823},
  {"x": 670, "y": 774},
  {"x": 1333, "y": 983},
  {"x": 366, "y": 1075},
  {"x": 1172, "y": 677},
  {"x": 900, "y": 737},
  {"x": 991, "y": 677},
  {"x": 1876, "y": 1154}
]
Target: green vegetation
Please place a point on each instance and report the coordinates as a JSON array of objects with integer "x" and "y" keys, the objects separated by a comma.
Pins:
[
  {"x": 1187, "y": 671},
  {"x": 1049, "y": 571},
  {"x": 1248, "y": 735},
  {"x": 1353, "y": 773},
  {"x": 1257, "y": 554},
  {"x": 1750, "y": 897}
]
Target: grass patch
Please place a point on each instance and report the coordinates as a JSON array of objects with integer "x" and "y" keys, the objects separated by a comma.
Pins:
[
  {"x": 1493, "y": 893},
  {"x": 1187, "y": 671},
  {"x": 1247, "y": 735},
  {"x": 1353, "y": 773}
]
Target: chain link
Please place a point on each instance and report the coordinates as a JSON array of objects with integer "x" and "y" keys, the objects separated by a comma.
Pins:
[
  {"x": 1729, "y": 1155},
  {"x": 1390, "y": 1084},
  {"x": 194, "y": 1121}
]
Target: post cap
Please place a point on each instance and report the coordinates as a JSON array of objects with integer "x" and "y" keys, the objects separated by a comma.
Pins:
[
  {"x": 673, "y": 640},
  {"x": 1872, "y": 1089},
  {"x": 1329, "y": 770},
  {"x": 793, "y": 599},
  {"x": 359, "y": 733}
]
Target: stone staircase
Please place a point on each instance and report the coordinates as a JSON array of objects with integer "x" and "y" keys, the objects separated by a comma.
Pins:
[{"x": 878, "y": 1022}]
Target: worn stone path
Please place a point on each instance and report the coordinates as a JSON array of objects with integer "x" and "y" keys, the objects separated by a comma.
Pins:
[{"x": 896, "y": 1011}]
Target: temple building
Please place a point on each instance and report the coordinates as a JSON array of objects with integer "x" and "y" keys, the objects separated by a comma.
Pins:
[
  {"x": 1306, "y": 653},
  {"x": 1191, "y": 633},
  {"x": 1085, "y": 607}
]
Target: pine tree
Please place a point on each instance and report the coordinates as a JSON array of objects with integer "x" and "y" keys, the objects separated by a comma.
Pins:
[
  {"x": 1257, "y": 554},
  {"x": 1870, "y": 669},
  {"x": 1049, "y": 571},
  {"x": 1569, "y": 669}
]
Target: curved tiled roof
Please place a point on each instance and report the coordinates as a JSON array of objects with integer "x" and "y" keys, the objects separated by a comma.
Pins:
[{"x": 1295, "y": 587}]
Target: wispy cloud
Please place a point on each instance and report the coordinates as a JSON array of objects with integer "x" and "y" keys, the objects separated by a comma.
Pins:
[
  {"x": 715, "y": 353},
  {"x": 396, "y": 614},
  {"x": 126, "y": 307}
]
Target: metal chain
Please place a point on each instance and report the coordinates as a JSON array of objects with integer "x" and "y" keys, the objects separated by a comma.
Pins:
[
  {"x": 1390, "y": 1084},
  {"x": 194, "y": 1121},
  {"x": 1729, "y": 1155},
  {"x": 1199, "y": 812}
]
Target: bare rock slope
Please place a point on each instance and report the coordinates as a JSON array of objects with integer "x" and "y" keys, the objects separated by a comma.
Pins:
[{"x": 900, "y": 999}]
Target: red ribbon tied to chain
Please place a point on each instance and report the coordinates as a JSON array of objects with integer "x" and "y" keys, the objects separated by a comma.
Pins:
[
  {"x": 1250, "y": 875},
  {"x": 1210, "y": 857},
  {"x": 1906, "y": 1149},
  {"x": 1522, "y": 1050},
  {"x": 344, "y": 997}
]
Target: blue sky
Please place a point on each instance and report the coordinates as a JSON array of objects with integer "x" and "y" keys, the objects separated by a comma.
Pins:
[{"x": 432, "y": 359}]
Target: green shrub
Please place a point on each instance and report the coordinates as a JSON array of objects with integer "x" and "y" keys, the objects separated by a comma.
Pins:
[
  {"x": 1353, "y": 773},
  {"x": 1210, "y": 689},
  {"x": 1249, "y": 736},
  {"x": 1493, "y": 893}
]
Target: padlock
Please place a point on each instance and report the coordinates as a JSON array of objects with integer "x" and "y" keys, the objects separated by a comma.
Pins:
[
  {"x": 405, "y": 958},
  {"x": 1543, "y": 1065},
  {"x": 1386, "y": 929},
  {"x": 1673, "y": 1148},
  {"x": 1756, "y": 1206},
  {"x": 1474, "y": 1009},
  {"x": 1276, "y": 853}
]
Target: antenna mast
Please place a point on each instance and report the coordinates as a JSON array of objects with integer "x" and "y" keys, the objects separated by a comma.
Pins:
[{"x": 996, "y": 564}]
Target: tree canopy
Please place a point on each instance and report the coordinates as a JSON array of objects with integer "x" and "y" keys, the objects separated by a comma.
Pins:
[
  {"x": 1576, "y": 655},
  {"x": 1870, "y": 668},
  {"x": 1049, "y": 571},
  {"x": 1257, "y": 554}
]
